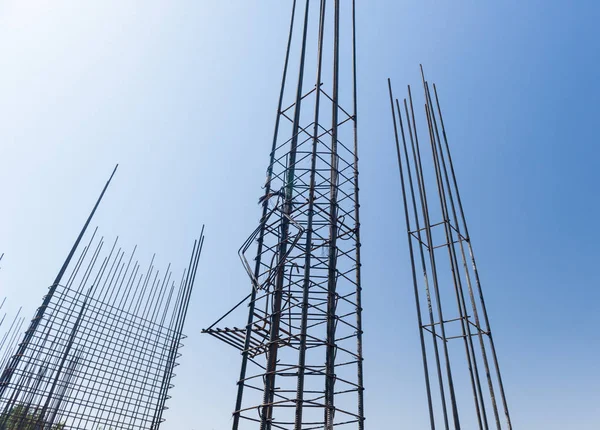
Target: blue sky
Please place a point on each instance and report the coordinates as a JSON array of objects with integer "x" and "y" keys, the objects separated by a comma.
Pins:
[{"x": 183, "y": 95}]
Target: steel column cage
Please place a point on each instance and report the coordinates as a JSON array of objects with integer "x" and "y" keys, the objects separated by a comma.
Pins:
[
  {"x": 101, "y": 350},
  {"x": 452, "y": 317},
  {"x": 301, "y": 344}
]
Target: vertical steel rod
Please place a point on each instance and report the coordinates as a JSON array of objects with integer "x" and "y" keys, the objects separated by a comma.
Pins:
[
  {"x": 309, "y": 230},
  {"x": 411, "y": 251}
]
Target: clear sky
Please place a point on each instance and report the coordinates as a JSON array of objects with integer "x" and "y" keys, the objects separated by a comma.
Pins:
[{"x": 183, "y": 95}]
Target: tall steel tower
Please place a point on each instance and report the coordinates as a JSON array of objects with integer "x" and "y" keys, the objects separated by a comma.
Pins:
[
  {"x": 462, "y": 375},
  {"x": 301, "y": 346}
]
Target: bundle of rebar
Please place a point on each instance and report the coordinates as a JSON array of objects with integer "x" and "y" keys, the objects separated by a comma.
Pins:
[
  {"x": 101, "y": 349},
  {"x": 10, "y": 329},
  {"x": 459, "y": 355}
]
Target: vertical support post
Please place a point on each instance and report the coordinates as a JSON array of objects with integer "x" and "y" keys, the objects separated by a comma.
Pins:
[
  {"x": 306, "y": 283},
  {"x": 333, "y": 231},
  {"x": 359, "y": 349},
  {"x": 410, "y": 248},
  {"x": 432, "y": 321},
  {"x": 260, "y": 240},
  {"x": 269, "y": 392}
]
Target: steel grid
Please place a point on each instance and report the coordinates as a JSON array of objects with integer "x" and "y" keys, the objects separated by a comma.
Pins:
[{"x": 101, "y": 350}]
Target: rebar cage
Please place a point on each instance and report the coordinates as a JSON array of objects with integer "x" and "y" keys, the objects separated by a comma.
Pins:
[
  {"x": 463, "y": 381},
  {"x": 302, "y": 342}
]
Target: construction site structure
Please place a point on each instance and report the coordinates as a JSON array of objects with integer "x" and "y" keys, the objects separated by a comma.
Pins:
[
  {"x": 101, "y": 349},
  {"x": 462, "y": 375},
  {"x": 301, "y": 340}
]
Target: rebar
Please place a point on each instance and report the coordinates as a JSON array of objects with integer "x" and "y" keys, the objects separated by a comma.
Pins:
[
  {"x": 438, "y": 244},
  {"x": 101, "y": 349},
  {"x": 302, "y": 344}
]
